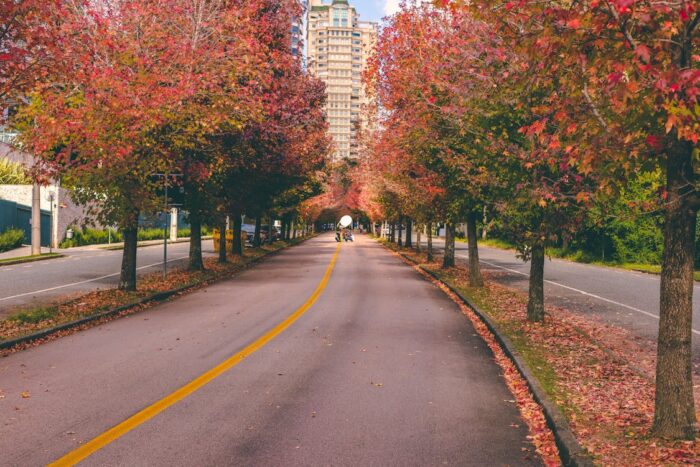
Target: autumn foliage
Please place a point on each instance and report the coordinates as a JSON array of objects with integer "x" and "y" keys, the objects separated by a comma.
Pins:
[{"x": 204, "y": 96}]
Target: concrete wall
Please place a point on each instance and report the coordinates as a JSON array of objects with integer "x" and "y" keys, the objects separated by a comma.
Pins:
[{"x": 64, "y": 213}]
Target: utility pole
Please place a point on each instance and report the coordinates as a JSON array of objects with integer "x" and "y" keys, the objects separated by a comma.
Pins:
[
  {"x": 165, "y": 230},
  {"x": 51, "y": 198},
  {"x": 36, "y": 219}
]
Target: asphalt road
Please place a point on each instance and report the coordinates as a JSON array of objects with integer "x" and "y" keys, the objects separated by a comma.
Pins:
[
  {"x": 82, "y": 270},
  {"x": 624, "y": 298},
  {"x": 382, "y": 370}
]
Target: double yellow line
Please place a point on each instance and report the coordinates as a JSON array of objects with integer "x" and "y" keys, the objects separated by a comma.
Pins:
[{"x": 151, "y": 411}]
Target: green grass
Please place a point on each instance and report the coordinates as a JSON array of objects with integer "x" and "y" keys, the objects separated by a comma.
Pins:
[
  {"x": 29, "y": 259},
  {"x": 34, "y": 316}
]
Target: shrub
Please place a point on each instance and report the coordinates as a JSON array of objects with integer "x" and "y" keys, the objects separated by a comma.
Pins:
[
  {"x": 150, "y": 234},
  {"x": 11, "y": 239},
  {"x": 89, "y": 236}
]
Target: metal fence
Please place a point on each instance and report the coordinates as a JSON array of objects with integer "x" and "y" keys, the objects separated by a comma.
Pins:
[{"x": 18, "y": 216}]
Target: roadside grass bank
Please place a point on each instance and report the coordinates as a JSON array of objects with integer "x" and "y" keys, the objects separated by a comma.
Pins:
[
  {"x": 29, "y": 259},
  {"x": 579, "y": 257},
  {"x": 600, "y": 376},
  {"x": 107, "y": 304}
]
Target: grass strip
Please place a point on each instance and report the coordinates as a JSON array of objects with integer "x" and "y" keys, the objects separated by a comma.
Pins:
[{"x": 29, "y": 259}]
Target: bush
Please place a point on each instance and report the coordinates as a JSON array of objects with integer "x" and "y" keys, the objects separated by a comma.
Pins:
[
  {"x": 11, "y": 239},
  {"x": 150, "y": 234},
  {"x": 90, "y": 236}
]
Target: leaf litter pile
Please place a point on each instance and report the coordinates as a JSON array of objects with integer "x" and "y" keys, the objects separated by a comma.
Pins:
[
  {"x": 71, "y": 308},
  {"x": 600, "y": 376}
]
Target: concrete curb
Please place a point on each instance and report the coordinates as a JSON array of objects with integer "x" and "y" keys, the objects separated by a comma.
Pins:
[
  {"x": 570, "y": 451},
  {"x": 157, "y": 297}
]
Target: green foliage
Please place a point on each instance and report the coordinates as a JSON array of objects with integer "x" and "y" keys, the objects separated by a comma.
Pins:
[
  {"x": 11, "y": 239},
  {"x": 12, "y": 173},
  {"x": 186, "y": 232},
  {"x": 88, "y": 236}
]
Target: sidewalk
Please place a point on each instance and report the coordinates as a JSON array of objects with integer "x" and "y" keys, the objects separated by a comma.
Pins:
[{"x": 19, "y": 252}]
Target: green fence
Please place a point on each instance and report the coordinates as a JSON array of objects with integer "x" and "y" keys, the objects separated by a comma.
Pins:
[{"x": 19, "y": 216}]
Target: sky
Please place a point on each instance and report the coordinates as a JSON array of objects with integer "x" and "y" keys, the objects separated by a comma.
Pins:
[{"x": 374, "y": 10}]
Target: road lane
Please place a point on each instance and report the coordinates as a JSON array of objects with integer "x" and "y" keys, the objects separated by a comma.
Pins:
[
  {"x": 628, "y": 299},
  {"x": 82, "y": 270},
  {"x": 382, "y": 370}
]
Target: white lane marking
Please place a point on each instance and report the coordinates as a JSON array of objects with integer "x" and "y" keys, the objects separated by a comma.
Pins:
[
  {"x": 582, "y": 292},
  {"x": 36, "y": 292}
]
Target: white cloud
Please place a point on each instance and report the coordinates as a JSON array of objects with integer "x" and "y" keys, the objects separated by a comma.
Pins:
[{"x": 391, "y": 6}]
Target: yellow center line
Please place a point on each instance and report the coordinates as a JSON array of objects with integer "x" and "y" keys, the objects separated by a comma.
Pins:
[{"x": 151, "y": 411}]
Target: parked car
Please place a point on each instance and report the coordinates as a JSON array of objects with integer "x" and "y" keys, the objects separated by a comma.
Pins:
[{"x": 249, "y": 231}]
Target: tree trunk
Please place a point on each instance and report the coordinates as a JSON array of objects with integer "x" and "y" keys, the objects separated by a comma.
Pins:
[
  {"x": 674, "y": 414},
  {"x": 195, "y": 261},
  {"x": 448, "y": 259},
  {"x": 535, "y": 302},
  {"x": 237, "y": 232},
  {"x": 256, "y": 236},
  {"x": 475, "y": 279},
  {"x": 409, "y": 233},
  {"x": 392, "y": 235},
  {"x": 485, "y": 230},
  {"x": 400, "y": 232},
  {"x": 418, "y": 239},
  {"x": 127, "y": 279},
  {"x": 430, "y": 242}
]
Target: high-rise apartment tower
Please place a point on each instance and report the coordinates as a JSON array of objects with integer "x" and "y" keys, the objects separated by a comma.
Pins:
[{"x": 339, "y": 46}]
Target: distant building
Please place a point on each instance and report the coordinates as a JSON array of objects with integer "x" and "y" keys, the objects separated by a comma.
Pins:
[
  {"x": 338, "y": 48},
  {"x": 298, "y": 31}
]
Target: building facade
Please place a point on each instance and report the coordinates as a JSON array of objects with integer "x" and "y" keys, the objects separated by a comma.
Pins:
[
  {"x": 338, "y": 47},
  {"x": 298, "y": 31}
]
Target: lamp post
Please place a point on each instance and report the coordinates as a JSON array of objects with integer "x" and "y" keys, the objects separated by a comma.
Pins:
[{"x": 51, "y": 198}]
